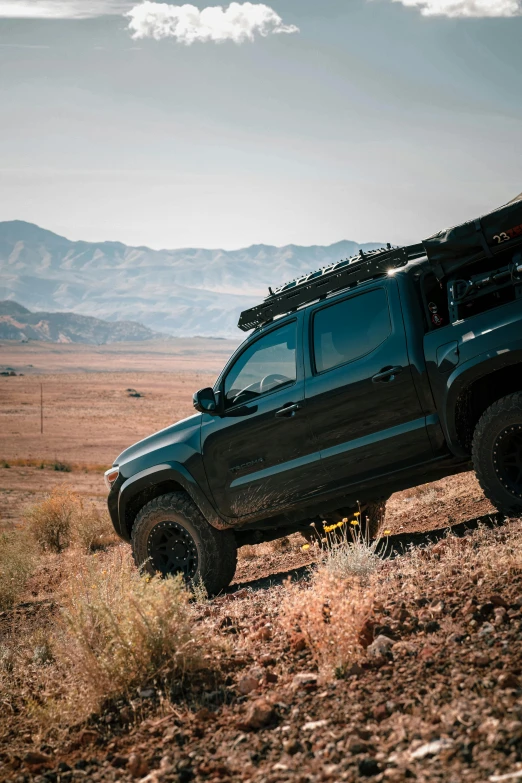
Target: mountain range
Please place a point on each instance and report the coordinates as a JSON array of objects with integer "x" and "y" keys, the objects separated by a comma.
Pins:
[
  {"x": 186, "y": 292},
  {"x": 19, "y": 323}
]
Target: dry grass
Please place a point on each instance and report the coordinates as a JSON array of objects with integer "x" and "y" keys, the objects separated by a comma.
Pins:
[
  {"x": 17, "y": 563},
  {"x": 121, "y": 631},
  {"x": 112, "y": 633},
  {"x": 352, "y": 554},
  {"x": 329, "y": 616},
  {"x": 63, "y": 518}
]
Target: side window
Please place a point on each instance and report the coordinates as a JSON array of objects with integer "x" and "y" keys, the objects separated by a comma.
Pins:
[
  {"x": 267, "y": 364},
  {"x": 350, "y": 329}
]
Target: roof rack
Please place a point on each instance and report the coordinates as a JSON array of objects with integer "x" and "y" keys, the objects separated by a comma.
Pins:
[{"x": 317, "y": 285}]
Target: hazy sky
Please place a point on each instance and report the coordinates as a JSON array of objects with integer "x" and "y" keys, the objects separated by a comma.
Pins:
[{"x": 300, "y": 121}]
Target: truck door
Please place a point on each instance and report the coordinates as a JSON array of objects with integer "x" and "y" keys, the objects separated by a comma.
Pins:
[
  {"x": 260, "y": 455},
  {"x": 361, "y": 399}
]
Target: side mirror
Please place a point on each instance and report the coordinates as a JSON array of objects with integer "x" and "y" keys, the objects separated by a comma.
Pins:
[{"x": 205, "y": 401}]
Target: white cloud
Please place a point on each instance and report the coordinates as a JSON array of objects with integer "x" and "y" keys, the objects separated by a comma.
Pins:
[
  {"x": 61, "y": 9},
  {"x": 466, "y": 8},
  {"x": 187, "y": 24}
]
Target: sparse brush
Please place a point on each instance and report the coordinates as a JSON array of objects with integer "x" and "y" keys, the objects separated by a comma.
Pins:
[
  {"x": 17, "y": 563},
  {"x": 63, "y": 518},
  {"x": 329, "y": 615},
  {"x": 121, "y": 631},
  {"x": 91, "y": 529},
  {"x": 50, "y": 521},
  {"x": 352, "y": 554},
  {"x": 62, "y": 467}
]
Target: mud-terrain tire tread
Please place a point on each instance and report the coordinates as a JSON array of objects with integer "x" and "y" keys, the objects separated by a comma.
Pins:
[
  {"x": 217, "y": 550},
  {"x": 509, "y": 410}
]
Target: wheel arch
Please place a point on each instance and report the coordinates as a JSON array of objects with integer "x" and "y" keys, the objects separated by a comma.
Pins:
[
  {"x": 472, "y": 391},
  {"x": 149, "y": 484}
]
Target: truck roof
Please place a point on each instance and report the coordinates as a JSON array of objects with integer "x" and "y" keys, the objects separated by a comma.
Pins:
[{"x": 330, "y": 279}]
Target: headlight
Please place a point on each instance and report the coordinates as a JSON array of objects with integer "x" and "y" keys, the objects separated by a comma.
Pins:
[{"x": 110, "y": 477}]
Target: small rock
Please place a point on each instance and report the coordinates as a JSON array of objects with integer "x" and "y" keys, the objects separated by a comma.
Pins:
[
  {"x": 305, "y": 680},
  {"x": 500, "y": 615},
  {"x": 356, "y": 746},
  {"x": 247, "y": 684},
  {"x": 267, "y": 660},
  {"x": 271, "y": 677},
  {"x": 137, "y": 766},
  {"x": 486, "y": 630},
  {"x": 497, "y": 600},
  {"x": 312, "y": 725},
  {"x": 88, "y": 736},
  {"x": 380, "y": 712},
  {"x": 480, "y": 659},
  {"x": 456, "y": 638},
  {"x": 260, "y": 714},
  {"x": 291, "y": 747},
  {"x": 431, "y": 748},
  {"x": 368, "y": 767},
  {"x": 147, "y": 693},
  {"x": 380, "y": 646},
  {"x": 508, "y": 680},
  {"x": 34, "y": 758}
]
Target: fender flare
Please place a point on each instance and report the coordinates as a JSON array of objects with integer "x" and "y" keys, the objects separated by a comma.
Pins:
[
  {"x": 466, "y": 375},
  {"x": 165, "y": 472}
]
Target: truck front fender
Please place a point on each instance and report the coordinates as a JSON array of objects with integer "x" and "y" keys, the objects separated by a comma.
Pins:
[{"x": 155, "y": 481}]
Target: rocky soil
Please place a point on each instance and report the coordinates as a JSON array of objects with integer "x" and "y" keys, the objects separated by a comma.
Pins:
[{"x": 435, "y": 695}]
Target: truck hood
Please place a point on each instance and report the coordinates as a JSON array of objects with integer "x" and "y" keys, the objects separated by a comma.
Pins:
[{"x": 179, "y": 432}]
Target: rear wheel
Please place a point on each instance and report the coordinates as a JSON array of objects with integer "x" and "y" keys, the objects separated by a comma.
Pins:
[
  {"x": 170, "y": 536},
  {"x": 497, "y": 454}
]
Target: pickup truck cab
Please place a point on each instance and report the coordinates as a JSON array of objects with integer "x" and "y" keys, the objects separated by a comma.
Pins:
[{"x": 393, "y": 373}]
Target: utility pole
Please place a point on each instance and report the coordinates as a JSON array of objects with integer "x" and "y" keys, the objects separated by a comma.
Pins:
[{"x": 41, "y": 408}]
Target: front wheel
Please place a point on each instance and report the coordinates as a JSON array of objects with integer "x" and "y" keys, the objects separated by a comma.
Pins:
[
  {"x": 497, "y": 454},
  {"x": 171, "y": 536}
]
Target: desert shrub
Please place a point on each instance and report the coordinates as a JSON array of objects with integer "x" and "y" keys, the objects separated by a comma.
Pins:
[
  {"x": 91, "y": 530},
  {"x": 121, "y": 631},
  {"x": 61, "y": 467},
  {"x": 63, "y": 518},
  {"x": 352, "y": 554},
  {"x": 16, "y": 566},
  {"x": 329, "y": 615},
  {"x": 50, "y": 521}
]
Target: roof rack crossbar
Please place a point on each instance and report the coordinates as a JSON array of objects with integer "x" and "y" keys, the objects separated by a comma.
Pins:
[{"x": 289, "y": 297}]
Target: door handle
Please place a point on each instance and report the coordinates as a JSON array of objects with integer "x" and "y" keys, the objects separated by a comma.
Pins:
[
  {"x": 288, "y": 411},
  {"x": 387, "y": 374}
]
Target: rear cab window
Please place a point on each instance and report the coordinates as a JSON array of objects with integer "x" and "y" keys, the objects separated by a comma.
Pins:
[{"x": 347, "y": 330}]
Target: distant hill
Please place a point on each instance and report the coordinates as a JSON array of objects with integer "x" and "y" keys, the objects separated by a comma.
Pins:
[
  {"x": 19, "y": 323},
  {"x": 183, "y": 292}
]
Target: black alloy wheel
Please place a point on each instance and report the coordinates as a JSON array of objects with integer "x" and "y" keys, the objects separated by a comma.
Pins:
[
  {"x": 497, "y": 453},
  {"x": 172, "y": 550},
  {"x": 507, "y": 459},
  {"x": 171, "y": 536}
]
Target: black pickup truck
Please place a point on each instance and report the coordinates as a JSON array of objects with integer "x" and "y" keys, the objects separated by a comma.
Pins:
[{"x": 372, "y": 375}]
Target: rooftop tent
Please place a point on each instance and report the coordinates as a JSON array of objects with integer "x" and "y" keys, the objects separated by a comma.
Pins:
[{"x": 484, "y": 237}]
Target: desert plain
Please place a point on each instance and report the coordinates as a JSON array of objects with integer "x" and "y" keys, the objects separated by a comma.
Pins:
[{"x": 391, "y": 664}]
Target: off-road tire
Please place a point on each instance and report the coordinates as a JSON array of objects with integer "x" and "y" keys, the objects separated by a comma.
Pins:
[
  {"x": 216, "y": 549},
  {"x": 500, "y": 422}
]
